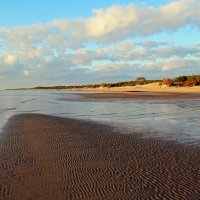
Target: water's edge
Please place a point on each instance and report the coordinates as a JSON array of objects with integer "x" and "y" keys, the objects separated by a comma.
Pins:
[{"x": 173, "y": 120}]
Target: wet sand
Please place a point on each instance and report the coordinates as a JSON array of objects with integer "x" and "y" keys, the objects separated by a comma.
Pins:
[
  {"x": 140, "y": 95},
  {"x": 46, "y": 157}
]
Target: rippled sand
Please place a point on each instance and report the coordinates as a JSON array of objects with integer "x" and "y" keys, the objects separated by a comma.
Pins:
[{"x": 45, "y": 157}]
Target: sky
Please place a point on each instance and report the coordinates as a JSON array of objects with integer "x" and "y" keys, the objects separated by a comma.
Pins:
[{"x": 59, "y": 42}]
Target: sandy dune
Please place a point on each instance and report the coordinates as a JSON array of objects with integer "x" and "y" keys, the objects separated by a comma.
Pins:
[
  {"x": 45, "y": 157},
  {"x": 151, "y": 87}
]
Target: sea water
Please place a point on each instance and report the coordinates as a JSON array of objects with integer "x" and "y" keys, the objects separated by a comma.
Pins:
[{"x": 168, "y": 119}]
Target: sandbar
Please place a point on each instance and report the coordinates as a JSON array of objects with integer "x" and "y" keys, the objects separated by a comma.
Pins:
[
  {"x": 45, "y": 157},
  {"x": 131, "y": 95}
]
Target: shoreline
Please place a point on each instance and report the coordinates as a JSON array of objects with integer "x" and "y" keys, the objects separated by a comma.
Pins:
[
  {"x": 152, "y": 87},
  {"x": 141, "y": 92},
  {"x": 144, "y": 88},
  {"x": 47, "y": 157}
]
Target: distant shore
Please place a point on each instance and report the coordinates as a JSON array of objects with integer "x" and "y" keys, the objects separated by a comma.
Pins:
[
  {"x": 44, "y": 157},
  {"x": 151, "y": 87}
]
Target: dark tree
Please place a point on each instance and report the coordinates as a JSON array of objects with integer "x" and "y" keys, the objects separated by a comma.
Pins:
[{"x": 140, "y": 79}]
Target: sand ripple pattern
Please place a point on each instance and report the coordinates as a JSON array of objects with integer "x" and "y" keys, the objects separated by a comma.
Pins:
[{"x": 45, "y": 157}]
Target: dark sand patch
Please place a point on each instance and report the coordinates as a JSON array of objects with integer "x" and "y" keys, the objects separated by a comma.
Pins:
[
  {"x": 45, "y": 157},
  {"x": 138, "y": 95}
]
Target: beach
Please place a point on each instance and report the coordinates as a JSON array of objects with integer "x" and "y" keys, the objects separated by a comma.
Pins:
[
  {"x": 47, "y": 157},
  {"x": 150, "y": 87},
  {"x": 151, "y": 91}
]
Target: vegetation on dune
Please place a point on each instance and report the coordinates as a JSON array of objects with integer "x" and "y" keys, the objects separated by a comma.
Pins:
[{"x": 183, "y": 81}]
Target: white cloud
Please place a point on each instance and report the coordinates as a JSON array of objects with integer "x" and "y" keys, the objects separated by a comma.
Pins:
[
  {"x": 117, "y": 22},
  {"x": 178, "y": 51},
  {"x": 125, "y": 46},
  {"x": 10, "y": 59},
  {"x": 26, "y": 73},
  {"x": 111, "y": 19},
  {"x": 181, "y": 63}
]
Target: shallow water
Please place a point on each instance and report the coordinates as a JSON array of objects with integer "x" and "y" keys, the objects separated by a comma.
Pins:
[{"x": 175, "y": 119}]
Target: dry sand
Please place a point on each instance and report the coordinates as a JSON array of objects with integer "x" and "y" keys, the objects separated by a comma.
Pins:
[
  {"x": 45, "y": 157},
  {"x": 151, "y": 87}
]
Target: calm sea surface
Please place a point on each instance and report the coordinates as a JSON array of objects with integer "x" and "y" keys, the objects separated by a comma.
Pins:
[{"x": 175, "y": 119}]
